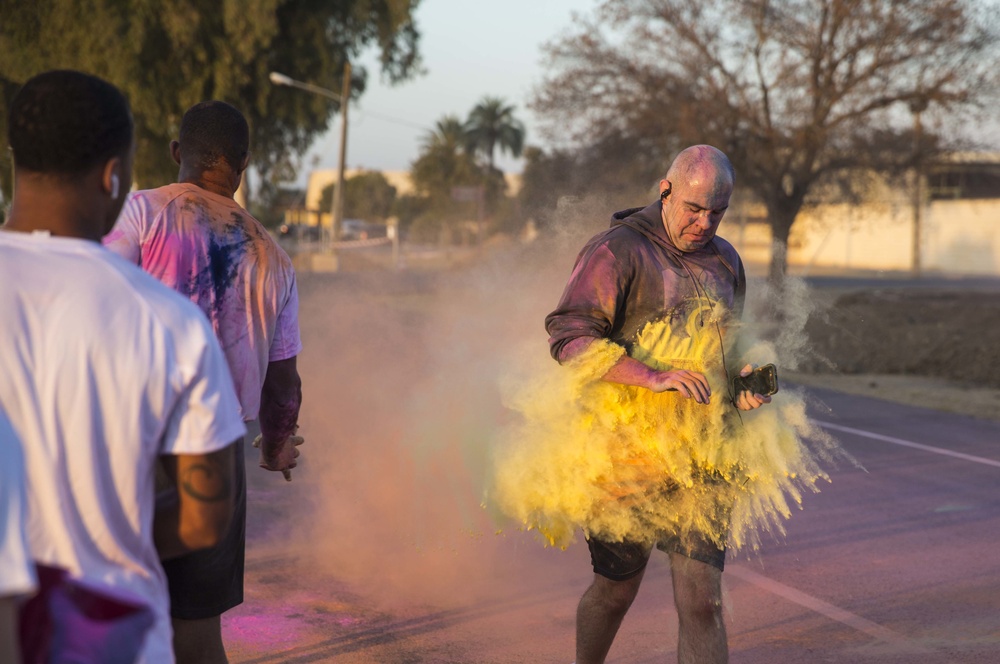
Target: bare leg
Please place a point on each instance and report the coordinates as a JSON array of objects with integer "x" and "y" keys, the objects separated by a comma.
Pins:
[
  {"x": 10, "y": 651},
  {"x": 698, "y": 597},
  {"x": 600, "y": 614},
  {"x": 199, "y": 641}
]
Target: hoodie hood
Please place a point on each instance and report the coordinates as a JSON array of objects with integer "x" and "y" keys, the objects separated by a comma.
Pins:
[{"x": 648, "y": 222}]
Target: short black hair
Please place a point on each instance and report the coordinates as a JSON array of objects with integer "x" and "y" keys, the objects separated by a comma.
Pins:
[
  {"x": 214, "y": 130},
  {"x": 66, "y": 122}
]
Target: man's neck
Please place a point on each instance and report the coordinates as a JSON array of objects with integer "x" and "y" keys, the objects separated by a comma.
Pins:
[
  {"x": 214, "y": 181},
  {"x": 50, "y": 211}
]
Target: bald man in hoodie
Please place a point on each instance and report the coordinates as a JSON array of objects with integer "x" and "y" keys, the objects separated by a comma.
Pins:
[{"x": 657, "y": 264}]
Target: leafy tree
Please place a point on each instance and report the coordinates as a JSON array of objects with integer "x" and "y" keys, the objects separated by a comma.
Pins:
[
  {"x": 445, "y": 160},
  {"x": 492, "y": 125},
  {"x": 170, "y": 54},
  {"x": 797, "y": 92},
  {"x": 409, "y": 209},
  {"x": 546, "y": 178},
  {"x": 367, "y": 196},
  {"x": 604, "y": 172}
]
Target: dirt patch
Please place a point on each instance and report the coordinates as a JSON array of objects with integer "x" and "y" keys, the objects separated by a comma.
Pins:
[{"x": 935, "y": 348}]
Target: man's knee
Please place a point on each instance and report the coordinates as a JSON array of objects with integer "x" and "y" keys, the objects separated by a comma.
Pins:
[
  {"x": 704, "y": 608},
  {"x": 615, "y": 596},
  {"x": 697, "y": 589}
]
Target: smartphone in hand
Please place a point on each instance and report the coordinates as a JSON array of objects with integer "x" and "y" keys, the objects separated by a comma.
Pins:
[{"x": 762, "y": 380}]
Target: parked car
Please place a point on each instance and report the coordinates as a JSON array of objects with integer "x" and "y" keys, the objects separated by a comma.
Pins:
[
  {"x": 359, "y": 229},
  {"x": 299, "y": 232}
]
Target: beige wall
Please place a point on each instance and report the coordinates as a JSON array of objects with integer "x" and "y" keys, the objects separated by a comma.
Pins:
[
  {"x": 963, "y": 236},
  {"x": 957, "y": 237},
  {"x": 870, "y": 237},
  {"x": 320, "y": 179}
]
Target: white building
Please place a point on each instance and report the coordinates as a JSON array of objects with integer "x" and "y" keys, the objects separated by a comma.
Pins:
[{"x": 955, "y": 226}]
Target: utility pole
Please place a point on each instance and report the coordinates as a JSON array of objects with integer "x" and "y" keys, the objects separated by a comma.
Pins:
[
  {"x": 918, "y": 106},
  {"x": 338, "y": 193},
  {"x": 328, "y": 236}
]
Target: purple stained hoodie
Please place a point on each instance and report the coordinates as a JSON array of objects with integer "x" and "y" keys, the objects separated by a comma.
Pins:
[{"x": 631, "y": 275}]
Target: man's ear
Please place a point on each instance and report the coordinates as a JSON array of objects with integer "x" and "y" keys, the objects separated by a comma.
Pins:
[
  {"x": 111, "y": 177},
  {"x": 665, "y": 188},
  {"x": 246, "y": 162},
  {"x": 175, "y": 152}
]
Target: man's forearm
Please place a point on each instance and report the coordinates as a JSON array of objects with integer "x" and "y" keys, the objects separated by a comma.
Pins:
[
  {"x": 626, "y": 371},
  {"x": 165, "y": 527},
  {"x": 280, "y": 402},
  {"x": 195, "y": 511},
  {"x": 279, "y": 419},
  {"x": 630, "y": 371}
]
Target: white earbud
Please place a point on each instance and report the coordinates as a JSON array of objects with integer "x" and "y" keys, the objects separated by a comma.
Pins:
[{"x": 114, "y": 186}]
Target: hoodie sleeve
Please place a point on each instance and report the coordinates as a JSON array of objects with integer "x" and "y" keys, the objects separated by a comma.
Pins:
[{"x": 591, "y": 301}]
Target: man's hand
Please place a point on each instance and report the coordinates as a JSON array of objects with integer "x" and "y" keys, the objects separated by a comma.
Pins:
[
  {"x": 690, "y": 384},
  {"x": 746, "y": 400},
  {"x": 280, "y": 455}
]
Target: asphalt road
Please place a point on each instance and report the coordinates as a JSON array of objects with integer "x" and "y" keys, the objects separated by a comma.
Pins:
[{"x": 894, "y": 563}]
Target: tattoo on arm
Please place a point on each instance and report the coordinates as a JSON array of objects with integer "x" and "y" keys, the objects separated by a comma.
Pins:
[{"x": 205, "y": 482}]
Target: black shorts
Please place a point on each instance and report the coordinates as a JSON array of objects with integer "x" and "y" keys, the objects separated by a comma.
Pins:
[
  {"x": 620, "y": 561},
  {"x": 207, "y": 583}
]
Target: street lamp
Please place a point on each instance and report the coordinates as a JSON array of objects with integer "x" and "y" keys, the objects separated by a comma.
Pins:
[
  {"x": 281, "y": 79},
  {"x": 337, "y": 213}
]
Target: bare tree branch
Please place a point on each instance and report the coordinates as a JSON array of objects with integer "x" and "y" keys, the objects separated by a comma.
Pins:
[{"x": 796, "y": 91}]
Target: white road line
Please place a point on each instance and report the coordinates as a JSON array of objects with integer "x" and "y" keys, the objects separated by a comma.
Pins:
[
  {"x": 906, "y": 443},
  {"x": 832, "y": 612}
]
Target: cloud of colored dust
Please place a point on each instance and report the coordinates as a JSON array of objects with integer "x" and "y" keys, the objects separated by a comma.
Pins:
[
  {"x": 622, "y": 462},
  {"x": 401, "y": 403},
  {"x": 425, "y": 391}
]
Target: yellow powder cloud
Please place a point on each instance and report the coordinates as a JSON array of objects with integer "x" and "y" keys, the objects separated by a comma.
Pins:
[{"x": 622, "y": 462}]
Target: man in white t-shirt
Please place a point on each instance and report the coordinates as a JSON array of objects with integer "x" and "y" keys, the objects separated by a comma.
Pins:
[
  {"x": 18, "y": 578},
  {"x": 106, "y": 373},
  {"x": 195, "y": 238}
]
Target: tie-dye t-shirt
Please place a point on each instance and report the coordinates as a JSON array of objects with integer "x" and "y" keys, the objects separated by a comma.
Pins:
[{"x": 209, "y": 248}]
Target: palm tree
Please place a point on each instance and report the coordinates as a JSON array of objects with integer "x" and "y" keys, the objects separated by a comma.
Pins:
[
  {"x": 448, "y": 134},
  {"x": 445, "y": 159},
  {"x": 492, "y": 125}
]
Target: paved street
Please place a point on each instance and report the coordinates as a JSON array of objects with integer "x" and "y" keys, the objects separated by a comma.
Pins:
[
  {"x": 379, "y": 549},
  {"x": 896, "y": 564}
]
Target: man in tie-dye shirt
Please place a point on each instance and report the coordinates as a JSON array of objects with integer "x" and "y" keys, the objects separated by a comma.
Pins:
[{"x": 194, "y": 237}]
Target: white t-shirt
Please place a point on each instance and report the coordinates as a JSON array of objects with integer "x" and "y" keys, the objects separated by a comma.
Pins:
[
  {"x": 17, "y": 570},
  {"x": 208, "y": 248},
  {"x": 104, "y": 370}
]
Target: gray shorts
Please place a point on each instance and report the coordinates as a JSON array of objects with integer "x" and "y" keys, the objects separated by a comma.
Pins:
[{"x": 207, "y": 583}]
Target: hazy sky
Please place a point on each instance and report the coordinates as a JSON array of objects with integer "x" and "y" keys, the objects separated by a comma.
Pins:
[{"x": 470, "y": 49}]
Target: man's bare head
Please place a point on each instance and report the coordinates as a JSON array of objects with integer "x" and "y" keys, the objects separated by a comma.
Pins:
[
  {"x": 213, "y": 148},
  {"x": 701, "y": 159},
  {"x": 66, "y": 122},
  {"x": 71, "y": 137},
  {"x": 695, "y": 194}
]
